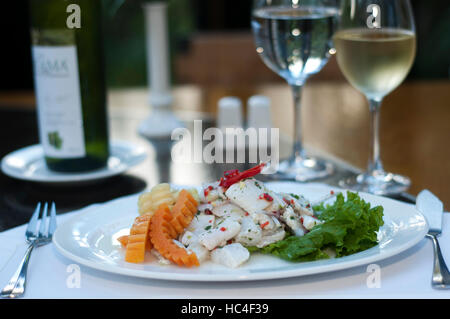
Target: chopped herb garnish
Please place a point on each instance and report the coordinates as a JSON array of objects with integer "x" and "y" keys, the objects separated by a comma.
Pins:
[{"x": 295, "y": 196}]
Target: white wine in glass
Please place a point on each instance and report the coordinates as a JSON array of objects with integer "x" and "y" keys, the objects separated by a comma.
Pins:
[
  {"x": 375, "y": 61},
  {"x": 375, "y": 49}
]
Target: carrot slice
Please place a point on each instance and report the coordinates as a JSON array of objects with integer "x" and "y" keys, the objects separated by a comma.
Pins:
[
  {"x": 138, "y": 241},
  {"x": 162, "y": 234},
  {"x": 123, "y": 240},
  {"x": 135, "y": 252},
  {"x": 184, "y": 211}
]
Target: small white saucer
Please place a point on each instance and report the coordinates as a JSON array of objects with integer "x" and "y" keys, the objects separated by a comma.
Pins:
[{"x": 28, "y": 164}]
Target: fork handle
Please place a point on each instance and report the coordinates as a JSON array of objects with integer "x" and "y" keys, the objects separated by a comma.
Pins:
[
  {"x": 16, "y": 285},
  {"x": 441, "y": 275}
]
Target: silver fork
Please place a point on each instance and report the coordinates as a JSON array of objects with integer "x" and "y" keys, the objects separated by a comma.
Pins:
[{"x": 35, "y": 237}]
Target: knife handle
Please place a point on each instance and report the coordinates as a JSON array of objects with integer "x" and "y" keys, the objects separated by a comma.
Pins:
[{"x": 441, "y": 275}]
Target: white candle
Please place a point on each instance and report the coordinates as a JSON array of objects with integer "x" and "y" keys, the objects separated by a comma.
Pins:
[{"x": 158, "y": 67}]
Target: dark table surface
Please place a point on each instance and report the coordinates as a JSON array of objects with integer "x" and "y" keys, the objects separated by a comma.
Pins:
[{"x": 415, "y": 130}]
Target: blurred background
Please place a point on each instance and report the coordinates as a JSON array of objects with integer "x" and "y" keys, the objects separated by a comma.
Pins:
[{"x": 205, "y": 32}]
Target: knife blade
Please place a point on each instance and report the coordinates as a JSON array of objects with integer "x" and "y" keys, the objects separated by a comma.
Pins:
[{"x": 432, "y": 208}]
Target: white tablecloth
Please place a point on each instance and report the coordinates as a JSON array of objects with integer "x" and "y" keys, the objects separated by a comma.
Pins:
[{"x": 407, "y": 275}]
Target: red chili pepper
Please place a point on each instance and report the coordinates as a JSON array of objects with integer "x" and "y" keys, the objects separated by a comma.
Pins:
[
  {"x": 208, "y": 212},
  {"x": 264, "y": 225},
  {"x": 236, "y": 177},
  {"x": 231, "y": 173},
  {"x": 267, "y": 197},
  {"x": 223, "y": 229},
  {"x": 246, "y": 213},
  {"x": 332, "y": 192},
  {"x": 301, "y": 220}
]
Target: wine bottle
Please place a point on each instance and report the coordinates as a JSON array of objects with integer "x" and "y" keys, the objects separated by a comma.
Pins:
[{"x": 69, "y": 83}]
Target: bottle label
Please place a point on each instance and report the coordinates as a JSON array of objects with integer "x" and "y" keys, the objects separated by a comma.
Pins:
[{"x": 58, "y": 99}]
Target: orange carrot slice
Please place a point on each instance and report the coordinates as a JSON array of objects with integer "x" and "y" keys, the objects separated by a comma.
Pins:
[
  {"x": 123, "y": 240},
  {"x": 184, "y": 211},
  {"x": 138, "y": 241},
  {"x": 162, "y": 234}
]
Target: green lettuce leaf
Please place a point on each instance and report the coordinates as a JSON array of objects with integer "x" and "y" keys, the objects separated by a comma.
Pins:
[{"x": 349, "y": 226}]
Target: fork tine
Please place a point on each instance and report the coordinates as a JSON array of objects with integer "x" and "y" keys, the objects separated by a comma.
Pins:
[
  {"x": 52, "y": 226},
  {"x": 32, "y": 224},
  {"x": 43, "y": 226}
]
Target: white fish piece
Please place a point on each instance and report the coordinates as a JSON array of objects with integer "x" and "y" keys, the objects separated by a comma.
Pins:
[
  {"x": 271, "y": 237},
  {"x": 263, "y": 219},
  {"x": 161, "y": 259},
  {"x": 309, "y": 222},
  {"x": 200, "y": 222},
  {"x": 212, "y": 190},
  {"x": 300, "y": 204},
  {"x": 293, "y": 221},
  {"x": 250, "y": 233},
  {"x": 278, "y": 204},
  {"x": 188, "y": 237},
  {"x": 202, "y": 207},
  {"x": 219, "y": 234},
  {"x": 246, "y": 194},
  {"x": 231, "y": 256},
  {"x": 227, "y": 208},
  {"x": 199, "y": 250}
]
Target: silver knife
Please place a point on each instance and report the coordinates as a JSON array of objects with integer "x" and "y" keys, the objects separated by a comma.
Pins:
[{"x": 432, "y": 208}]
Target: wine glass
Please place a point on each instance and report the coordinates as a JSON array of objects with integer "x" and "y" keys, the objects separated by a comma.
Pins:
[
  {"x": 294, "y": 39},
  {"x": 375, "y": 49}
]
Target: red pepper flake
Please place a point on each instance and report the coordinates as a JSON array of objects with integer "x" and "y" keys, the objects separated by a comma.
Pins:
[
  {"x": 207, "y": 190},
  {"x": 292, "y": 201},
  {"x": 230, "y": 241},
  {"x": 266, "y": 196},
  {"x": 246, "y": 213},
  {"x": 308, "y": 206},
  {"x": 286, "y": 201},
  {"x": 223, "y": 229},
  {"x": 208, "y": 212},
  {"x": 301, "y": 220},
  {"x": 332, "y": 192},
  {"x": 210, "y": 221},
  {"x": 264, "y": 225}
]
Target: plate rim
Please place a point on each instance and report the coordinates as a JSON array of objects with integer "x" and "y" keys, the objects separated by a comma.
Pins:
[
  {"x": 229, "y": 276},
  {"x": 74, "y": 177}
]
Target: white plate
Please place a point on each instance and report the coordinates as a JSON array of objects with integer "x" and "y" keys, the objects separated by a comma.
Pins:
[
  {"x": 29, "y": 164},
  {"x": 90, "y": 239}
]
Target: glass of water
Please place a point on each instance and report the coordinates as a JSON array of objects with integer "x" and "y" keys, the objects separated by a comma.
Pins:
[
  {"x": 294, "y": 39},
  {"x": 376, "y": 46}
]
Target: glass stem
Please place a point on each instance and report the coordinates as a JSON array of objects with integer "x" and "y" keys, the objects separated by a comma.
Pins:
[
  {"x": 375, "y": 161},
  {"x": 298, "y": 152}
]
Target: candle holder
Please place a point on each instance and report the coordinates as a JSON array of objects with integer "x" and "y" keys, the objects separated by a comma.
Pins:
[{"x": 158, "y": 126}]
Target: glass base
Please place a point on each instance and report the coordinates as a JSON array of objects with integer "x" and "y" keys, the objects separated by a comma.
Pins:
[
  {"x": 378, "y": 183},
  {"x": 304, "y": 169}
]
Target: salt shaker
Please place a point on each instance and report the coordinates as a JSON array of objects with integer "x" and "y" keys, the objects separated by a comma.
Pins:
[{"x": 230, "y": 113}]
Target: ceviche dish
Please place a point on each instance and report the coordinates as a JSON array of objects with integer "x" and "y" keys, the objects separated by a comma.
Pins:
[{"x": 231, "y": 219}]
